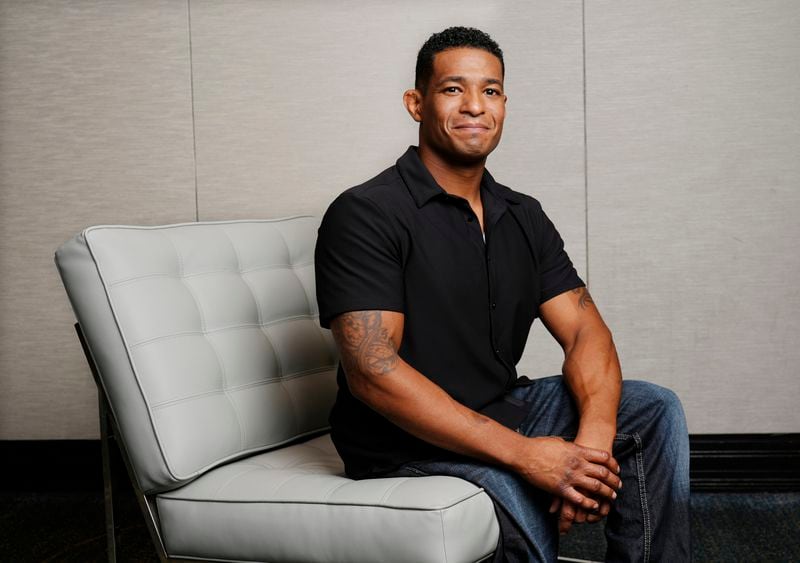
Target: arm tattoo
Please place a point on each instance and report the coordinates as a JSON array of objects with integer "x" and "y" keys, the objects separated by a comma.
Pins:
[
  {"x": 585, "y": 299},
  {"x": 364, "y": 343}
]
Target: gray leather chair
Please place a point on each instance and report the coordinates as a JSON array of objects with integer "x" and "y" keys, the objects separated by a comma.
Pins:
[{"x": 216, "y": 381}]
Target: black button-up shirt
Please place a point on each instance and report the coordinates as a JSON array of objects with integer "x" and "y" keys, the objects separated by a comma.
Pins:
[{"x": 399, "y": 242}]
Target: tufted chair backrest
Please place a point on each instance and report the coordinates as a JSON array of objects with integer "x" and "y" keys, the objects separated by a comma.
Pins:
[{"x": 206, "y": 338}]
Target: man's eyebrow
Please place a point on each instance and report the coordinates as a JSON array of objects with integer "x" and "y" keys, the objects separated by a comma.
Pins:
[
  {"x": 450, "y": 79},
  {"x": 461, "y": 80}
]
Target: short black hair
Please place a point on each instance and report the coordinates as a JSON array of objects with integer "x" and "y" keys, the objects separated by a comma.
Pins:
[{"x": 451, "y": 38}]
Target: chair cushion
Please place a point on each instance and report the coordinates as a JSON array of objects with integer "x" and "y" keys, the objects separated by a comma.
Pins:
[{"x": 295, "y": 504}]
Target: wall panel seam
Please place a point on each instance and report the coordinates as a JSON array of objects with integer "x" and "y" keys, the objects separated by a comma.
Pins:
[
  {"x": 194, "y": 128},
  {"x": 585, "y": 144}
]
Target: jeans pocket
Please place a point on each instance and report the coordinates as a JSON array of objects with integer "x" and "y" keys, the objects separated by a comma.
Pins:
[
  {"x": 416, "y": 470},
  {"x": 406, "y": 471}
]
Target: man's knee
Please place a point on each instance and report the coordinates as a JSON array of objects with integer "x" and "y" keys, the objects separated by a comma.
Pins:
[
  {"x": 656, "y": 414},
  {"x": 654, "y": 400}
]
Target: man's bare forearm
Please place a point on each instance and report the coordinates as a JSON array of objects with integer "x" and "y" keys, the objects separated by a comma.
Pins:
[{"x": 592, "y": 371}]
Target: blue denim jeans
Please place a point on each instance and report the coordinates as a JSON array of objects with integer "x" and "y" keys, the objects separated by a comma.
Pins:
[{"x": 649, "y": 520}]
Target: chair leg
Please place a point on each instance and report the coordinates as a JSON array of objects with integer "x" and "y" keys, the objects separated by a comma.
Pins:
[
  {"x": 108, "y": 430},
  {"x": 146, "y": 505},
  {"x": 108, "y": 489}
]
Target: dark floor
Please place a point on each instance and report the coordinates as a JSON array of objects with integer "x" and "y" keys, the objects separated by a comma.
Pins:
[{"x": 727, "y": 527}]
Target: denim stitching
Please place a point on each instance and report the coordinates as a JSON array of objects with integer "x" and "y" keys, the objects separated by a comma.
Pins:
[
  {"x": 648, "y": 532},
  {"x": 643, "y": 496}
]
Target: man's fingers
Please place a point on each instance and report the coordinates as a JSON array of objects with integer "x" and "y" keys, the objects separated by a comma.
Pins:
[
  {"x": 568, "y": 511},
  {"x": 564, "y": 526},
  {"x": 593, "y": 518},
  {"x": 555, "y": 505},
  {"x": 605, "y": 508},
  {"x": 595, "y": 488},
  {"x": 573, "y": 496},
  {"x": 601, "y": 457},
  {"x": 602, "y": 473},
  {"x": 571, "y": 514},
  {"x": 566, "y": 516}
]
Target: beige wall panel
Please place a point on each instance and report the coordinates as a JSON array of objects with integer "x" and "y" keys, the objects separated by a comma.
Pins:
[
  {"x": 95, "y": 127},
  {"x": 296, "y": 101},
  {"x": 693, "y": 172}
]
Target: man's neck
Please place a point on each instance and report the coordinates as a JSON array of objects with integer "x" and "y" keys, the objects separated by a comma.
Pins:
[{"x": 462, "y": 180}]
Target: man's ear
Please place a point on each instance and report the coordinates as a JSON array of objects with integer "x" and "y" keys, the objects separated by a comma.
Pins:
[{"x": 412, "y": 99}]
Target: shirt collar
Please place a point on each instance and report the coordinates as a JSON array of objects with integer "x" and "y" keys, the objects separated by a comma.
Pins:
[{"x": 423, "y": 186}]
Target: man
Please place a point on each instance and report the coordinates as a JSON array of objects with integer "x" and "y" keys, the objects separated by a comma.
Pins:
[{"x": 430, "y": 275}]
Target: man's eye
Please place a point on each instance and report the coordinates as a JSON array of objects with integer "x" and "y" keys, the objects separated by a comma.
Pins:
[
  {"x": 451, "y": 89},
  {"x": 492, "y": 92}
]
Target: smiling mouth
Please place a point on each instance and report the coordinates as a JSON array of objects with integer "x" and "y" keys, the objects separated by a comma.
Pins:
[{"x": 471, "y": 128}]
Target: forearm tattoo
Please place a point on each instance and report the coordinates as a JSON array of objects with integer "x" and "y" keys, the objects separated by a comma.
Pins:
[
  {"x": 364, "y": 343},
  {"x": 584, "y": 299}
]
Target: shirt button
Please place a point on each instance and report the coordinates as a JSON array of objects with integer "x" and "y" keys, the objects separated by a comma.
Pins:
[
  {"x": 494, "y": 305},
  {"x": 497, "y": 351}
]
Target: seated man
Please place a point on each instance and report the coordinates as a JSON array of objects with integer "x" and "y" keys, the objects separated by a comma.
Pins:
[{"x": 430, "y": 276}]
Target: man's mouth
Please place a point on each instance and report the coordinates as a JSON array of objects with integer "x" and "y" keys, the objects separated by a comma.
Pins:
[{"x": 472, "y": 127}]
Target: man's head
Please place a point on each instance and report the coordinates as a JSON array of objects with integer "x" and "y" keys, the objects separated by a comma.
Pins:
[
  {"x": 451, "y": 38},
  {"x": 459, "y": 100}
]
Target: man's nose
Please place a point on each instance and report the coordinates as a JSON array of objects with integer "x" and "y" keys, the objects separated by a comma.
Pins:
[{"x": 472, "y": 103}]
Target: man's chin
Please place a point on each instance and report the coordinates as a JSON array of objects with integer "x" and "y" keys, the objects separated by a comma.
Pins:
[
  {"x": 471, "y": 155},
  {"x": 463, "y": 154}
]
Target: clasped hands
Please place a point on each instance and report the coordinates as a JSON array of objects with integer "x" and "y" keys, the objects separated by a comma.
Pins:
[{"x": 583, "y": 480}]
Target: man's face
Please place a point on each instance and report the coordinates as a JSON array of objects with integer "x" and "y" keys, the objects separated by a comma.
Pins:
[{"x": 462, "y": 110}]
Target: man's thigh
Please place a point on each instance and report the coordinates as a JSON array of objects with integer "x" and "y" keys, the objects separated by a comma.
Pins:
[
  {"x": 531, "y": 531},
  {"x": 551, "y": 409}
]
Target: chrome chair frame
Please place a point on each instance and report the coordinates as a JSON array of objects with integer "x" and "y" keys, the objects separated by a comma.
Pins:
[{"x": 110, "y": 434}]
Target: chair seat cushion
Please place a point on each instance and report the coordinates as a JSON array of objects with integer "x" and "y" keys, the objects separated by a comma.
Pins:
[{"x": 296, "y": 504}]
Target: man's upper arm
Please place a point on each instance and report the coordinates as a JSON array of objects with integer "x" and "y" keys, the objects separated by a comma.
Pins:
[
  {"x": 566, "y": 307},
  {"x": 357, "y": 260},
  {"x": 566, "y": 314},
  {"x": 368, "y": 342}
]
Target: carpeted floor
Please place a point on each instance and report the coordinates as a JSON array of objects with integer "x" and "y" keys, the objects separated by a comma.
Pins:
[{"x": 726, "y": 527}]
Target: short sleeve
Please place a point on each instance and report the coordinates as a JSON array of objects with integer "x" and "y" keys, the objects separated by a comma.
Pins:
[
  {"x": 556, "y": 272},
  {"x": 357, "y": 261}
]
